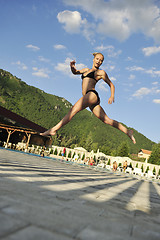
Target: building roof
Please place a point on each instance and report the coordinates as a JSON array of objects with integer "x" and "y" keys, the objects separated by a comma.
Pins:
[
  {"x": 18, "y": 120},
  {"x": 145, "y": 151}
]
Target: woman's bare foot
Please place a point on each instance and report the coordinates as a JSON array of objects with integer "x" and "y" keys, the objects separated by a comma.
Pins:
[
  {"x": 49, "y": 132},
  {"x": 130, "y": 135}
]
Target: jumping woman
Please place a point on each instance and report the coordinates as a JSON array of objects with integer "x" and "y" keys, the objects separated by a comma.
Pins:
[{"x": 91, "y": 98}]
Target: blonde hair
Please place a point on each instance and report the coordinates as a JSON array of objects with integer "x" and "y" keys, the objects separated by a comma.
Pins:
[{"x": 95, "y": 53}]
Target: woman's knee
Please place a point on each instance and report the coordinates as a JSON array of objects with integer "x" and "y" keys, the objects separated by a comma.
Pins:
[
  {"x": 74, "y": 110},
  {"x": 107, "y": 120}
]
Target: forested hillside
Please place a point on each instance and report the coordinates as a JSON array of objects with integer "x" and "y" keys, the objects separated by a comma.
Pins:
[{"x": 46, "y": 110}]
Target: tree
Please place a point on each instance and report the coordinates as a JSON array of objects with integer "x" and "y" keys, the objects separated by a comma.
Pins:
[
  {"x": 147, "y": 169},
  {"x": 114, "y": 152},
  {"x": 82, "y": 141},
  {"x": 51, "y": 152},
  {"x": 69, "y": 154},
  {"x": 55, "y": 140},
  {"x": 142, "y": 168},
  {"x": 155, "y": 155},
  {"x": 94, "y": 146},
  {"x": 109, "y": 162},
  {"x": 105, "y": 149},
  {"x": 89, "y": 142},
  {"x": 123, "y": 149},
  {"x": 154, "y": 171}
]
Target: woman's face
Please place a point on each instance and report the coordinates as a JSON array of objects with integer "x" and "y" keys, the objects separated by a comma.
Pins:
[{"x": 98, "y": 60}]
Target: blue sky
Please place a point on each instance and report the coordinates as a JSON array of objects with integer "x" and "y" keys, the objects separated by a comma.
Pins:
[{"x": 38, "y": 39}]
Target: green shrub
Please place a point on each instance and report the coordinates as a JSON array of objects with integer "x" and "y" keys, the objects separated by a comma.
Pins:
[
  {"x": 55, "y": 151},
  {"x": 51, "y": 152},
  {"x": 69, "y": 154}
]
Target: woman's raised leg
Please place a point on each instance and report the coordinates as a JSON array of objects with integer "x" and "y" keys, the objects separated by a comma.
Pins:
[
  {"x": 81, "y": 104},
  {"x": 100, "y": 113}
]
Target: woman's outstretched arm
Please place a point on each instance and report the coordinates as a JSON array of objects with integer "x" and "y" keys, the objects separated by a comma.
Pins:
[
  {"x": 74, "y": 70},
  {"x": 111, "y": 85}
]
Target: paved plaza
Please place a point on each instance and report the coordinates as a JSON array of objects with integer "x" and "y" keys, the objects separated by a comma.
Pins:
[{"x": 49, "y": 199}]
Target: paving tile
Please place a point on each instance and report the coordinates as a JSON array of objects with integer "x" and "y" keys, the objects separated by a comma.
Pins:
[
  {"x": 43, "y": 198},
  {"x": 9, "y": 225},
  {"x": 90, "y": 233},
  {"x": 147, "y": 231},
  {"x": 33, "y": 233}
]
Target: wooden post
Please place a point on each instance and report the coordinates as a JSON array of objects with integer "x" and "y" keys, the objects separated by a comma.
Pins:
[
  {"x": 29, "y": 136},
  {"x": 9, "y": 134}
]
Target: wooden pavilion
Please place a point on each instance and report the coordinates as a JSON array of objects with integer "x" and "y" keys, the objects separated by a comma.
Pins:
[{"x": 15, "y": 128}]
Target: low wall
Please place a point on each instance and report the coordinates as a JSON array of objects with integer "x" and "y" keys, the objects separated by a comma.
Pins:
[{"x": 112, "y": 159}]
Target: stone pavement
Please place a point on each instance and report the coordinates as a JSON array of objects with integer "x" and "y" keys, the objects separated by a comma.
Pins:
[{"x": 47, "y": 199}]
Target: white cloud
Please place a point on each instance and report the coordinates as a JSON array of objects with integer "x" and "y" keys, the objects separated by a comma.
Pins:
[
  {"x": 102, "y": 86},
  {"x": 112, "y": 78},
  {"x": 109, "y": 49},
  {"x": 153, "y": 72},
  {"x": 35, "y": 68},
  {"x": 20, "y": 65},
  {"x": 65, "y": 67},
  {"x": 131, "y": 77},
  {"x": 141, "y": 92},
  {"x": 120, "y": 19},
  {"x": 156, "y": 101},
  {"x": 42, "y": 72},
  {"x": 155, "y": 83},
  {"x": 109, "y": 67},
  {"x": 135, "y": 68},
  {"x": 59, "y": 47},
  {"x": 129, "y": 59},
  {"x": 157, "y": 91},
  {"x": 103, "y": 48},
  {"x": 42, "y": 59},
  {"x": 72, "y": 21},
  {"x": 34, "y": 9},
  {"x": 148, "y": 51},
  {"x": 145, "y": 91},
  {"x": 33, "y": 48}
]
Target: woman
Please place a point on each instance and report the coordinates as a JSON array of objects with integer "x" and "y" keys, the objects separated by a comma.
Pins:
[{"x": 91, "y": 98}]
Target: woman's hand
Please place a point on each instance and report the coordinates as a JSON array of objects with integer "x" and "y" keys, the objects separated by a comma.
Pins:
[
  {"x": 73, "y": 68},
  {"x": 111, "y": 100},
  {"x": 72, "y": 64}
]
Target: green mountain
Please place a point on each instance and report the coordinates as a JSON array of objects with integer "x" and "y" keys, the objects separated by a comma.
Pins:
[{"x": 47, "y": 110}]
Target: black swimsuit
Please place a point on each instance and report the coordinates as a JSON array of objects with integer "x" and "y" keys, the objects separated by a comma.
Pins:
[{"x": 91, "y": 75}]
